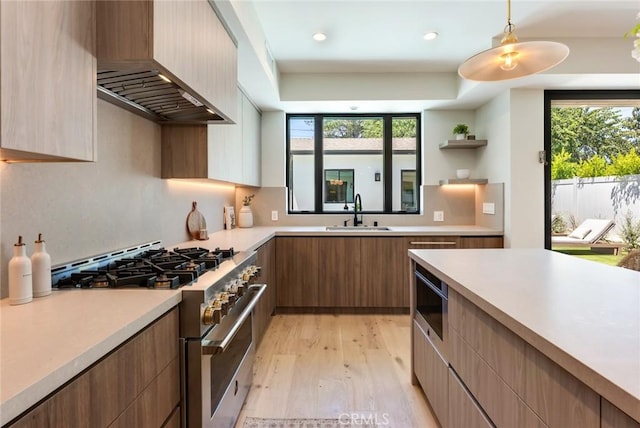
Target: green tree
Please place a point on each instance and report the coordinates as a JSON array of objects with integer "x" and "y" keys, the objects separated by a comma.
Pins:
[
  {"x": 562, "y": 166},
  {"x": 342, "y": 128},
  {"x": 595, "y": 166},
  {"x": 631, "y": 126},
  {"x": 587, "y": 131},
  {"x": 625, "y": 164}
]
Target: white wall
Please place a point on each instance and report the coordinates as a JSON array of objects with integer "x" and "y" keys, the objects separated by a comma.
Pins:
[
  {"x": 437, "y": 127},
  {"x": 84, "y": 209},
  {"x": 514, "y": 125}
]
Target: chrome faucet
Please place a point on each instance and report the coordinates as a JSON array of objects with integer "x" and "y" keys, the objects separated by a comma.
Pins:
[{"x": 357, "y": 205}]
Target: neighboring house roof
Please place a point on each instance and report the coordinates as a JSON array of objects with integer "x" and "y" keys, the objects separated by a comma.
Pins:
[{"x": 352, "y": 144}]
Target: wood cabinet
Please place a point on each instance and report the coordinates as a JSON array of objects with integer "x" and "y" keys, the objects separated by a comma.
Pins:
[
  {"x": 339, "y": 266},
  {"x": 612, "y": 417},
  {"x": 432, "y": 372},
  {"x": 357, "y": 272},
  {"x": 265, "y": 308},
  {"x": 184, "y": 40},
  {"x": 297, "y": 272},
  {"x": 481, "y": 242},
  {"x": 138, "y": 384},
  {"x": 484, "y": 350},
  {"x": 463, "y": 409},
  {"x": 227, "y": 152},
  {"x": 48, "y": 81},
  {"x": 384, "y": 273}
]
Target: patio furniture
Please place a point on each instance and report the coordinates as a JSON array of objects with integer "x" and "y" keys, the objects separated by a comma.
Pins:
[{"x": 591, "y": 233}]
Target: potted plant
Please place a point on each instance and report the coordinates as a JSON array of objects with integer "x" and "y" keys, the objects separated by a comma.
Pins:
[
  {"x": 245, "y": 216},
  {"x": 460, "y": 131}
]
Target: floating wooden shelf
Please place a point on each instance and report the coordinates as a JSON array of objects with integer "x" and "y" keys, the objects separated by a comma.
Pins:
[
  {"x": 462, "y": 144},
  {"x": 464, "y": 181}
]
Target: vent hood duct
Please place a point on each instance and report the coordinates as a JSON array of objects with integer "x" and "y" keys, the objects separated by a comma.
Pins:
[{"x": 148, "y": 94}]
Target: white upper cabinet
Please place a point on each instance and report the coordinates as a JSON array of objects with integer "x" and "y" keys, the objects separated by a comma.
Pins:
[
  {"x": 48, "y": 81},
  {"x": 229, "y": 153}
]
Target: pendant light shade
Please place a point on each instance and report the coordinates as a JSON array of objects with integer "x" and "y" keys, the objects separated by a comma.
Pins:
[{"x": 513, "y": 59}]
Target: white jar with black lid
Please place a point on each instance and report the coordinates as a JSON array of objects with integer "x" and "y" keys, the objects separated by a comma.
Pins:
[
  {"x": 41, "y": 266},
  {"x": 20, "y": 275}
]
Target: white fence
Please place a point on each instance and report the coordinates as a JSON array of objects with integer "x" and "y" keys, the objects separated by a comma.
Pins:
[{"x": 599, "y": 197}]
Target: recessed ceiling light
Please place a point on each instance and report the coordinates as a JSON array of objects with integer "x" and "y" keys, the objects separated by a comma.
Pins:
[
  {"x": 163, "y": 77},
  {"x": 430, "y": 35},
  {"x": 319, "y": 37}
]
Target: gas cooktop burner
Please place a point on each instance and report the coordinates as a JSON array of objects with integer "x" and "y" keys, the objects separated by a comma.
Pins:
[{"x": 150, "y": 268}]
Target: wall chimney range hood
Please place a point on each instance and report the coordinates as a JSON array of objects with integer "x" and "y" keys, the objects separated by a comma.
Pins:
[
  {"x": 152, "y": 95},
  {"x": 168, "y": 61}
]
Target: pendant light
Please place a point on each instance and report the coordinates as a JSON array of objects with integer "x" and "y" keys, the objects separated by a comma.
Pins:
[{"x": 512, "y": 59}]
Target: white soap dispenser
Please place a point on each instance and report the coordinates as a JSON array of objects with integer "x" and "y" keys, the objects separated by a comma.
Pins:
[
  {"x": 20, "y": 278},
  {"x": 41, "y": 266}
]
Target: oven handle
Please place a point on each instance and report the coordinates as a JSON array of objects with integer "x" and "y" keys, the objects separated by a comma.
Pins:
[
  {"x": 217, "y": 346},
  {"x": 430, "y": 285}
]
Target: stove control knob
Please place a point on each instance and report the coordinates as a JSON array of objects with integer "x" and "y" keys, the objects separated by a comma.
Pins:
[{"x": 212, "y": 313}]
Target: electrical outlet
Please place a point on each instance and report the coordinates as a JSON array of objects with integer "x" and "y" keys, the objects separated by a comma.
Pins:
[
  {"x": 438, "y": 216},
  {"x": 488, "y": 208},
  {"x": 274, "y": 215}
]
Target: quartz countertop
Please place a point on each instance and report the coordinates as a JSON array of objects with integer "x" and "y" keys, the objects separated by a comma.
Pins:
[
  {"x": 583, "y": 315},
  {"x": 47, "y": 342}
]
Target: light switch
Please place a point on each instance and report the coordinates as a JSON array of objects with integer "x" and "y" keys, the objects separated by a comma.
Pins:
[
  {"x": 438, "y": 216},
  {"x": 488, "y": 208},
  {"x": 274, "y": 215}
]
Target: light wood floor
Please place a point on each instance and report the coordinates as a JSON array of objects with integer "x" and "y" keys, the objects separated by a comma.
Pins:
[{"x": 322, "y": 366}]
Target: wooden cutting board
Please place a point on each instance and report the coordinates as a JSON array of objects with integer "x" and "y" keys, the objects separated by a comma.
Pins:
[{"x": 196, "y": 222}]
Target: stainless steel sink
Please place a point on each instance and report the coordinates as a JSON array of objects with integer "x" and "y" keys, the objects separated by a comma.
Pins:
[{"x": 356, "y": 228}]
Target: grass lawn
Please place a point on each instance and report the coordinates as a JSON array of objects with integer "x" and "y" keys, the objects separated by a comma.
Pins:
[{"x": 587, "y": 254}]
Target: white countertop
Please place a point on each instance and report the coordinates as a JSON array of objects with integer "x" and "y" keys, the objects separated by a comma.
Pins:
[
  {"x": 47, "y": 342},
  {"x": 583, "y": 315}
]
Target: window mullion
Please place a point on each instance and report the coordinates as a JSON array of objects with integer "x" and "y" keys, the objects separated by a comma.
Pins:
[
  {"x": 318, "y": 162},
  {"x": 387, "y": 163}
]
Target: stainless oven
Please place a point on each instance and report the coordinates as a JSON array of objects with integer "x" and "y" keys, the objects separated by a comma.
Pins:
[
  {"x": 430, "y": 307},
  {"x": 218, "y": 349}
]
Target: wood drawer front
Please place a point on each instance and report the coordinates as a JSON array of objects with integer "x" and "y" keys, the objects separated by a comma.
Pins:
[
  {"x": 99, "y": 395},
  {"x": 156, "y": 403},
  {"x": 501, "y": 349},
  {"x": 499, "y": 402},
  {"x": 556, "y": 396},
  {"x": 463, "y": 410},
  {"x": 612, "y": 417},
  {"x": 431, "y": 242},
  {"x": 432, "y": 373}
]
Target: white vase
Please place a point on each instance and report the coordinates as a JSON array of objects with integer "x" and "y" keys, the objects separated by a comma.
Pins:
[
  {"x": 245, "y": 217},
  {"x": 460, "y": 136}
]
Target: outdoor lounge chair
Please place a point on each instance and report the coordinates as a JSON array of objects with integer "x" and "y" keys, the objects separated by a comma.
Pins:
[{"x": 590, "y": 233}]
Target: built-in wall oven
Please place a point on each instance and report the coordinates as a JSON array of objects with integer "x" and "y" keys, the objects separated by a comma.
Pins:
[
  {"x": 217, "y": 343},
  {"x": 430, "y": 307}
]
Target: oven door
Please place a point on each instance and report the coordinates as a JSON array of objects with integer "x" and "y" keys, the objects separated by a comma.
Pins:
[
  {"x": 219, "y": 367},
  {"x": 431, "y": 307}
]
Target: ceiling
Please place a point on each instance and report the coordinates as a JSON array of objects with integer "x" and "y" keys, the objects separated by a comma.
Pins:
[{"x": 386, "y": 36}]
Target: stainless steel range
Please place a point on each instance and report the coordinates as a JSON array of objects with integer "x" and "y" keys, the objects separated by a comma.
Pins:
[
  {"x": 217, "y": 339},
  {"x": 219, "y": 291}
]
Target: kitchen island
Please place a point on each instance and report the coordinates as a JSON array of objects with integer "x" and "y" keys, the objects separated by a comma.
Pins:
[
  {"x": 558, "y": 318},
  {"x": 47, "y": 343}
]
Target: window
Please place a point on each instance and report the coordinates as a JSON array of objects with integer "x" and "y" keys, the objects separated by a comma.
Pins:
[
  {"x": 338, "y": 185},
  {"x": 331, "y": 158},
  {"x": 409, "y": 190}
]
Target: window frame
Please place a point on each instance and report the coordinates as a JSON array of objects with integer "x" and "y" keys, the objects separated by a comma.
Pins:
[
  {"x": 387, "y": 169},
  {"x": 569, "y": 95}
]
